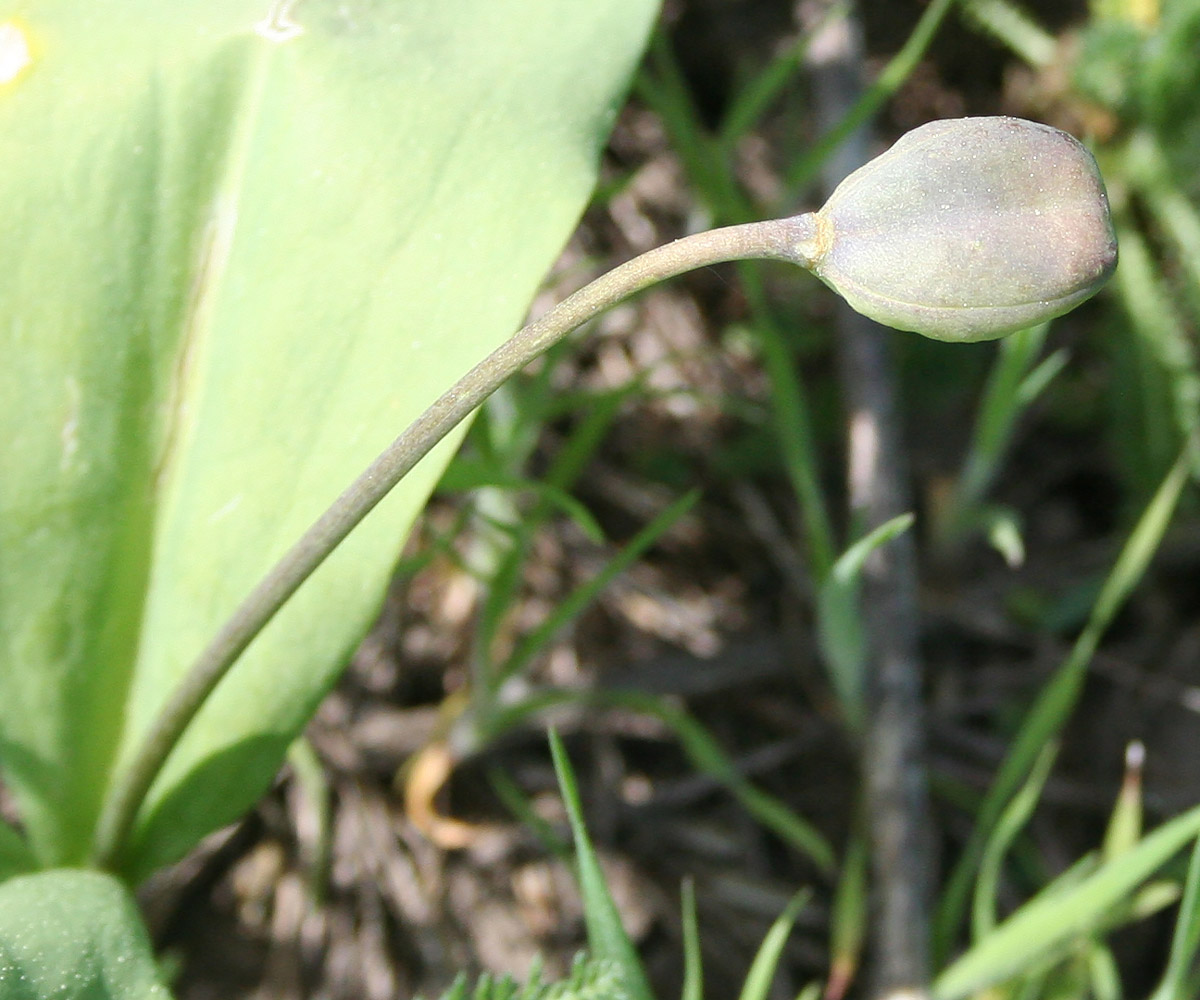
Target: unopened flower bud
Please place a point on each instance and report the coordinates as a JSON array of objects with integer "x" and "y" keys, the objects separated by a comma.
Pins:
[{"x": 968, "y": 229}]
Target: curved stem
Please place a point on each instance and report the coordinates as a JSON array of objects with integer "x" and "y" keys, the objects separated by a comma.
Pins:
[
  {"x": 778, "y": 239},
  {"x": 895, "y": 780}
]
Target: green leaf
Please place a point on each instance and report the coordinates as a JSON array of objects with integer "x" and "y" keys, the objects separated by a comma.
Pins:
[
  {"x": 762, "y": 970},
  {"x": 15, "y": 855},
  {"x": 839, "y": 623},
  {"x": 245, "y": 246},
  {"x": 1053, "y": 919},
  {"x": 582, "y": 596},
  {"x": 1012, "y": 821},
  {"x": 1126, "y": 820},
  {"x": 703, "y": 751},
  {"x": 589, "y": 980},
  {"x": 1058, "y": 697},
  {"x": 1185, "y": 942},
  {"x": 848, "y": 919},
  {"x": 1103, "y": 976},
  {"x": 1163, "y": 346},
  {"x": 1016, "y": 380},
  {"x": 74, "y": 935},
  {"x": 801, "y": 173},
  {"x": 693, "y": 961},
  {"x": 607, "y": 940}
]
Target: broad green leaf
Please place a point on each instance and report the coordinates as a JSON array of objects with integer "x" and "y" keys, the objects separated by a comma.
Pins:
[
  {"x": 15, "y": 855},
  {"x": 245, "y": 245},
  {"x": 74, "y": 935}
]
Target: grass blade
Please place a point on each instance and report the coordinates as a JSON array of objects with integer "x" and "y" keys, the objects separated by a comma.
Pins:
[
  {"x": 316, "y": 797},
  {"x": 792, "y": 422},
  {"x": 762, "y": 970},
  {"x": 1013, "y": 820},
  {"x": 693, "y": 966},
  {"x": 1015, "y": 382},
  {"x": 1161, "y": 333},
  {"x": 1104, "y": 979},
  {"x": 755, "y": 97},
  {"x": 1125, "y": 823},
  {"x": 1058, "y": 698},
  {"x": 701, "y": 748},
  {"x": 517, "y": 803},
  {"x": 665, "y": 89},
  {"x": 582, "y": 596},
  {"x": 839, "y": 620},
  {"x": 1048, "y": 922},
  {"x": 1149, "y": 168},
  {"x": 607, "y": 939},
  {"x": 1186, "y": 940},
  {"x": 706, "y": 754},
  {"x": 1013, "y": 27},
  {"x": 802, "y": 172},
  {"x": 849, "y": 928},
  {"x": 549, "y": 497}
]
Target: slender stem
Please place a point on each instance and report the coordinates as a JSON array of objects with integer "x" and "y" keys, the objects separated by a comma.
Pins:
[
  {"x": 789, "y": 407},
  {"x": 778, "y": 239},
  {"x": 1014, "y": 28},
  {"x": 869, "y": 100},
  {"x": 790, "y": 413},
  {"x": 893, "y": 747}
]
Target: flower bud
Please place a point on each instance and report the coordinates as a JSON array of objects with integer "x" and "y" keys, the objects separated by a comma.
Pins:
[{"x": 968, "y": 229}]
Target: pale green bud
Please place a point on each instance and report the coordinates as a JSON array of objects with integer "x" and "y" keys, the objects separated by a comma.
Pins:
[{"x": 967, "y": 229}]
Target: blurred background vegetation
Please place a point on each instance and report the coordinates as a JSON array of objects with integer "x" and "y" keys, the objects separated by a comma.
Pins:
[{"x": 637, "y": 540}]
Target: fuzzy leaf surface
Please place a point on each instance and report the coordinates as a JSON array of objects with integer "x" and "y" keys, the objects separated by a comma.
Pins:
[
  {"x": 245, "y": 244},
  {"x": 74, "y": 935}
]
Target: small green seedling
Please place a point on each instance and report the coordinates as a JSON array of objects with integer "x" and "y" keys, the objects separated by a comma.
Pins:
[{"x": 964, "y": 230}]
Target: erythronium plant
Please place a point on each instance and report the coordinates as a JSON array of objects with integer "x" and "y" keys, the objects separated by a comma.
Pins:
[
  {"x": 235, "y": 235},
  {"x": 964, "y": 230}
]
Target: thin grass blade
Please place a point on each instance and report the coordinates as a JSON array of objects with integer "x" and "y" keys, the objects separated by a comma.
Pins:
[
  {"x": 1058, "y": 698},
  {"x": 849, "y": 925},
  {"x": 607, "y": 939},
  {"x": 702, "y": 749},
  {"x": 805, "y": 169},
  {"x": 839, "y": 620},
  {"x": 1185, "y": 942},
  {"x": 1047, "y": 923},
  {"x": 693, "y": 964},
  {"x": 1011, "y": 822},
  {"x": 762, "y": 970},
  {"x": 581, "y": 597}
]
